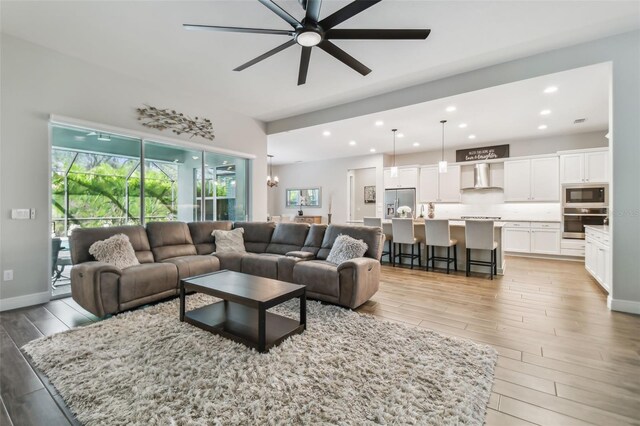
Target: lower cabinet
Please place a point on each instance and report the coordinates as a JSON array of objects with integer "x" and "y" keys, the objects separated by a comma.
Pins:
[
  {"x": 597, "y": 259},
  {"x": 532, "y": 237}
]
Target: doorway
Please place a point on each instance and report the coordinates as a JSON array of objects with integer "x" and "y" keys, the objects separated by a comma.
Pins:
[{"x": 362, "y": 193}]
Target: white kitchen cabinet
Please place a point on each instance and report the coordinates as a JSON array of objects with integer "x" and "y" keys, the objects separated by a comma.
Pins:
[
  {"x": 545, "y": 241},
  {"x": 517, "y": 239},
  {"x": 597, "y": 259},
  {"x": 585, "y": 167},
  {"x": 517, "y": 180},
  {"x": 407, "y": 178},
  {"x": 449, "y": 185},
  {"x": 545, "y": 179},
  {"x": 440, "y": 187},
  {"x": 532, "y": 180}
]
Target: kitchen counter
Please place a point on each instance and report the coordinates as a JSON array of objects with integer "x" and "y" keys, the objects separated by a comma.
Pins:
[{"x": 598, "y": 228}]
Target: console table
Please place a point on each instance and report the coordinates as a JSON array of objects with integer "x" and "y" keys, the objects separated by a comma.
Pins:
[{"x": 308, "y": 219}]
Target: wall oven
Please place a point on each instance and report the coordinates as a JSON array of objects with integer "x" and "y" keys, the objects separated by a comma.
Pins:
[{"x": 583, "y": 205}]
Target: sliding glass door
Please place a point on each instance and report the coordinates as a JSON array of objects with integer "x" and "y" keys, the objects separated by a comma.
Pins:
[{"x": 100, "y": 180}]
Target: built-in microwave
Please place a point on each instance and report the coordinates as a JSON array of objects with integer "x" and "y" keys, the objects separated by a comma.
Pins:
[{"x": 585, "y": 196}]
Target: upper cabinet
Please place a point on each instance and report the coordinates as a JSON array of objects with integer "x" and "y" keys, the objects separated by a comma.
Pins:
[
  {"x": 532, "y": 180},
  {"x": 585, "y": 167},
  {"x": 407, "y": 178},
  {"x": 440, "y": 187}
]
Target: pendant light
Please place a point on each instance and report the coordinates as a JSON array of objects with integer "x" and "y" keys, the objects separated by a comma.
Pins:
[
  {"x": 442, "y": 164},
  {"x": 394, "y": 168},
  {"x": 271, "y": 183}
]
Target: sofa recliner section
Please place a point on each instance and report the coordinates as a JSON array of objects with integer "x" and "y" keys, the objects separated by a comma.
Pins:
[{"x": 171, "y": 251}]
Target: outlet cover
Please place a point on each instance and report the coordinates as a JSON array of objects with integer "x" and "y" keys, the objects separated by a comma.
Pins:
[{"x": 7, "y": 275}]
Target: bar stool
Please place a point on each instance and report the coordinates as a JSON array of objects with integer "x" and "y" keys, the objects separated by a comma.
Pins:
[
  {"x": 479, "y": 235},
  {"x": 376, "y": 221},
  {"x": 402, "y": 230},
  {"x": 438, "y": 234}
]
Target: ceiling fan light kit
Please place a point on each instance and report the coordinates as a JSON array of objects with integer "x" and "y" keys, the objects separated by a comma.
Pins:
[{"x": 312, "y": 31}]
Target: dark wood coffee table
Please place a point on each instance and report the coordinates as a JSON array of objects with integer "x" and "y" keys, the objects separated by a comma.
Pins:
[{"x": 242, "y": 314}]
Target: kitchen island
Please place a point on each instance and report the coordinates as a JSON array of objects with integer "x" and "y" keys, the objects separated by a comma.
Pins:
[{"x": 457, "y": 233}]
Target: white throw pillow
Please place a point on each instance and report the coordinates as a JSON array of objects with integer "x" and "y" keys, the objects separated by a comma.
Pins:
[
  {"x": 346, "y": 248},
  {"x": 229, "y": 241},
  {"x": 116, "y": 250}
]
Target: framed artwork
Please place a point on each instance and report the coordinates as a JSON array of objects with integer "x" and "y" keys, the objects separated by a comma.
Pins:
[
  {"x": 370, "y": 194},
  {"x": 304, "y": 197}
]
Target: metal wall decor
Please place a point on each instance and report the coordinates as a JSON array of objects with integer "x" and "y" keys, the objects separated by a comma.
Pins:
[{"x": 163, "y": 119}]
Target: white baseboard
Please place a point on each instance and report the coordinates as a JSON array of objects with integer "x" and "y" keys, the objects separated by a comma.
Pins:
[
  {"x": 23, "y": 301},
  {"x": 629, "y": 306}
]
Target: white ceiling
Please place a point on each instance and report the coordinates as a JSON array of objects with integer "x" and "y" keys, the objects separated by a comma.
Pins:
[
  {"x": 501, "y": 113},
  {"x": 145, "y": 39}
]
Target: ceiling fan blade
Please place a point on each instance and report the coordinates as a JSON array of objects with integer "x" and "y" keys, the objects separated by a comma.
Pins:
[
  {"x": 197, "y": 27},
  {"x": 265, "y": 55},
  {"x": 349, "y": 34},
  {"x": 346, "y": 12},
  {"x": 304, "y": 65},
  {"x": 343, "y": 57},
  {"x": 281, "y": 13},
  {"x": 313, "y": 10}
]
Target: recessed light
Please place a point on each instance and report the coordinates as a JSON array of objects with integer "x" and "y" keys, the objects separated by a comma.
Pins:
[
  {"x": 79, "y": 138},
  {"x": 401, "y": 135},
  {"x": 372, "y": 150},
  {"x": 326, "y": 133},
  {"x": 224, "y": 162},
  {"x": 542, "y": 127},
  {"x": 92, "y": 134},
  {"x": 462, "y": 125},
  {"x": 379, "y": 123},
  {"x": 352, "y": 143},
  {"x": 450, "y": 108},
  {"x": 472, "y": 136},
  {"x": 545, "y": 112},
  {"x": 416, "y": 144},
  {"x": 195, "y": 158},
  {"x": 551, "y": 89}
]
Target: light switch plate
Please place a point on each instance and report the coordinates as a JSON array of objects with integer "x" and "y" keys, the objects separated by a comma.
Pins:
[
  {"x": 33, "y": 213},
  {"x": 20, "y": 214},
  {"x": 7, "y": 275}
]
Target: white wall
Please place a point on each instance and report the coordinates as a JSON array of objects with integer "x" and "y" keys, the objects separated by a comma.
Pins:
[
  {"x": 623, "y": 53},
  {"x": 331, "y": 176},
  {"x": 362, "y": 178},
  {"x": 37, "y": 82},
  {"x": 517, "y": 148}
]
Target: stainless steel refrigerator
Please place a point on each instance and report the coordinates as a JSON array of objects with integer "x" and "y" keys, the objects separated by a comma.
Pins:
[{"x": 394, "y": 198}]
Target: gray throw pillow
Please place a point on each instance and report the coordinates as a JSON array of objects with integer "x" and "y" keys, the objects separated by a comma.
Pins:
[
  {"x": 346, "y": 248},
  {"x": 116, "y": 250},
  {"x": 229, "y": 241}
]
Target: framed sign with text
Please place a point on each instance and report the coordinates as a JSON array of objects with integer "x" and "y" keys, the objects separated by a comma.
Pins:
[{"x": 483, "y": 153}]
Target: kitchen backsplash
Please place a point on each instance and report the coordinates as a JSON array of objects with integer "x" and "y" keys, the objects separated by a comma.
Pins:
[{"x": 507, "y": 211}]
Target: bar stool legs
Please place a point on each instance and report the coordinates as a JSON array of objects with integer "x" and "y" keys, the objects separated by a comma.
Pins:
[
  {"x": 433, "y": 258},
  {"x": 397, "y": 254},
  {"x": 493, "y": 264}
]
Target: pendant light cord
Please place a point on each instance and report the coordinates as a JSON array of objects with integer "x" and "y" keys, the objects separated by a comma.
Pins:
[
  {"x": 443, "y": 121},
  {"x": 394, "y": 146}
]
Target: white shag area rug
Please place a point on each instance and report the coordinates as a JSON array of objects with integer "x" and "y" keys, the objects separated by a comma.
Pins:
[{"x": 146, "y": 367}]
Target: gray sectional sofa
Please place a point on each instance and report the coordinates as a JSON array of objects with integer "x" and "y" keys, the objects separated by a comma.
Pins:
[{"x": 171, "y": 251}]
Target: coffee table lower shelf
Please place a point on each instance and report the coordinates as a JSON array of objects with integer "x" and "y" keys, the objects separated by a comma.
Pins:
[{"x": 241, "y": 324}]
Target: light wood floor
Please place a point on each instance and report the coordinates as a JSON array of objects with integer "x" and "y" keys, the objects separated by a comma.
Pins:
[{"x": 564, "y": 358}]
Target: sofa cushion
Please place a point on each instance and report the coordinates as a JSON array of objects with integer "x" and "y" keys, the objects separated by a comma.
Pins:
[
  {"x": 147, "y": 279},
  {"x": 202, "y": 234},
  {"x": 319, "y": 276},
  {"x": 116, "y": 251},
  {"x": 189, "y": 266},
  {"x": 261, "y": 265},
  {"x": 257, "y": 235},
  {"x": 313, "y": 242},
  {"x": 372, "y": 236},
  {"x": 229, "y": 241},
  {"x": 288, "y": 237},
  {"x": 346, "y": 248},
  {"x": 170, "y": 239},
  {"x": 230, "y": 260},
  {"x": 82, "y": 238}
]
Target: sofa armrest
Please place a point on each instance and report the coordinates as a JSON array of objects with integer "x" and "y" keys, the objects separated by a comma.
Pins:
[
  {"x": 94, "y": 286},
  {"x": 301, "y": 255},
  {"x": 359, "y": 281}
]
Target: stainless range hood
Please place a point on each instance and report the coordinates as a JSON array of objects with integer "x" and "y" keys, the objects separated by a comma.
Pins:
[{"x": 481, "y": 178}]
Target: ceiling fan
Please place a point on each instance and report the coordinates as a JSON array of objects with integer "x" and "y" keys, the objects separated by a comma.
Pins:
[{"x": 312, "y": 31}]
